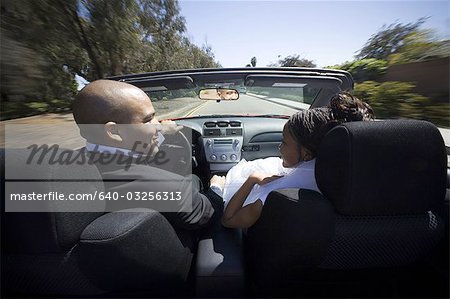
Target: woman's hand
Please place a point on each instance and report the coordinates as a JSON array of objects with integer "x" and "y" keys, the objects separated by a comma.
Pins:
[
  {"x": 263, "y": 178},
  {"x": 217, "y": 181}
]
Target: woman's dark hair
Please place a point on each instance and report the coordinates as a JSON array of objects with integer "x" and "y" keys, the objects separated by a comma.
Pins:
[
  {"x": 346, "y": 107},
  {"x": 308, "y": 127}
]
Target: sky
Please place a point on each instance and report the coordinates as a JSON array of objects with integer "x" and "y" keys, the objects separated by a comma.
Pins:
[{"x": 327, "y": 32}]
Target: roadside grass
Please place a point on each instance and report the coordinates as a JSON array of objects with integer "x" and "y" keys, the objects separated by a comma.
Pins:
[{"x": 19, "y": 109}]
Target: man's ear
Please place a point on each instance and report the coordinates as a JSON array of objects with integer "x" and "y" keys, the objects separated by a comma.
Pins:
[{"x": 112, "y": 132}]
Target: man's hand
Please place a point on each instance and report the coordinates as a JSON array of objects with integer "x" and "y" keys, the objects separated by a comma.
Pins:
[
  {"x": 169, "y": 127},
  {"x": 263, "y": 178},
  {"x": 217, "y": 181},
  {"x": 216, "y": 184}
]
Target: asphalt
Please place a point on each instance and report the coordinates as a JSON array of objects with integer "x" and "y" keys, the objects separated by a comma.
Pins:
[
  {"x": 61, "y": 129},
  {"x": 48, "y": 128}
]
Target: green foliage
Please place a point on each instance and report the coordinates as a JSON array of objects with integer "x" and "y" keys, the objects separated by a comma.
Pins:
[
  {"x": 364, "y": 69},
  {"x": 295, "y": 61},
  {"x": 21, "y": 68},
  {"x": 388, "y": 40},
  {"x": 397, "y": 44},
  {"x": 419, "y": 46},
  {"x": 33, "y": 52},
  {"x": 46, "y": 42},
  {"x": 397, "y": 100}
]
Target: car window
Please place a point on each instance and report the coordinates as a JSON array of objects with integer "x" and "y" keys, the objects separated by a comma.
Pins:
[{"x": 253, "y": 101}]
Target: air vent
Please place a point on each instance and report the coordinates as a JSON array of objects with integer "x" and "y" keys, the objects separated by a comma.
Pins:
[
  {"x": 235, "y": 123},
  {"x": 211, "y": 132},
  {"x": 236, "y": 132},
  {"x": 210, "y": 124},
  {"x": 222, "y": 124}
]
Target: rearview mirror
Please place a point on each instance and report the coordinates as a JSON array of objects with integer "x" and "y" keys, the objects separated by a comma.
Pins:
[{"x": 218, "y": 94}]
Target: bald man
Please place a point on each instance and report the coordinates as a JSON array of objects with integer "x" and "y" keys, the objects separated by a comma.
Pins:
[{"x": 125, "y": 125}]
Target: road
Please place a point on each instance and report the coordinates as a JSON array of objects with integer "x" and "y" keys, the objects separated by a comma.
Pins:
[
  {"x": 246, "y": 104},
  {"x": 61, "y": 129},
  {"x": 48, "y": 128}
]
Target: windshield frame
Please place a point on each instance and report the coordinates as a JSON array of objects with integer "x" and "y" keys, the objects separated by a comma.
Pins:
[{"x": 180, "y": 84}]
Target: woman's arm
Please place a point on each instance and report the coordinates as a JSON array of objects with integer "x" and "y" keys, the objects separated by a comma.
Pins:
[{"x": 237, "y": 216}]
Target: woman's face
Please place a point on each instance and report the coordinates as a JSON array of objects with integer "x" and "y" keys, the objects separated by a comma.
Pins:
[{"x": 290, "y": 152}]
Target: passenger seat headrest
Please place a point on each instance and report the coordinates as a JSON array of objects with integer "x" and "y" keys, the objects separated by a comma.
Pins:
[{"x": 392, "y": 167}]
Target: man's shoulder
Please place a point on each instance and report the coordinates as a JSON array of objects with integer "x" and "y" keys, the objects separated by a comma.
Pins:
[{"x": 124, "y": 166}]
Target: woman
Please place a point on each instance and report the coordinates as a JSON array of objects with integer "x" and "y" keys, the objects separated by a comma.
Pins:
[{"x": 302, "y": 135}]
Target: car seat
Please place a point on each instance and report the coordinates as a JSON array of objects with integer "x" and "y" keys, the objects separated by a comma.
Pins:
[
  {"x": 383, "y": 184},
  {"x": 84, "y": 253}
]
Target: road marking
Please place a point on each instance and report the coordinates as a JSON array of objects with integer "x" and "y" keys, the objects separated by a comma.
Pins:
[
  {"x": 284, "y": 103},
  {"x": 196, "y": 108}
]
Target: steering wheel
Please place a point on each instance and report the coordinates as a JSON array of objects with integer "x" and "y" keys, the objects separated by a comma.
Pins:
[{"x": 178, "y": 152}]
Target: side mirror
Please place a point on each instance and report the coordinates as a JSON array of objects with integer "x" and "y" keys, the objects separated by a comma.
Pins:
[{"x": 218, "y": 94}]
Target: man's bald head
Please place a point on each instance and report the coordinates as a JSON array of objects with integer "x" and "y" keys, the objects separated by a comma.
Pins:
[
  {"x": 107, "y": 104},
  {"x": 105, "y": 101}
]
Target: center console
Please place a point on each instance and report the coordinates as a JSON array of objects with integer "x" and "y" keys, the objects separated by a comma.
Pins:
[{"x": 222, "y": 141}]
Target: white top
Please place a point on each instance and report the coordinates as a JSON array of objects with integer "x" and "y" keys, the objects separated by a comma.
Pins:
[{"x": 300, "y": 176}]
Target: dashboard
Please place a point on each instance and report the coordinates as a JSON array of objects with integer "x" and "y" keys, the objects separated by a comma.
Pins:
[{"x": 220, "y": 143}]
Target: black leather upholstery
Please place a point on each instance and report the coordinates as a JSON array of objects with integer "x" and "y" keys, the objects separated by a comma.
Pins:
[
  {"x": 44, "y": 231},
  {"x": 296, "y": 227},
  {"x": 134, "y": 249},
  {"x": 85, "y": 253},
  {"x": 383, "y": 168},
  {"x": 381, "y": 182}
]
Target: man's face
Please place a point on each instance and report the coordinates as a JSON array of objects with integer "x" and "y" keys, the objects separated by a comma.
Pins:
[
  {"x": 140, "y": 132},
  {"x": 226, "y": 94}
]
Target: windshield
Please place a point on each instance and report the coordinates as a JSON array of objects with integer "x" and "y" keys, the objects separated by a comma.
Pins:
[{"x": 283, "y": 101}]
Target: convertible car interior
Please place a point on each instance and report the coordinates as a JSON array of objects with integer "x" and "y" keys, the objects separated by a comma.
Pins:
[{"x": 379, "y": 227}]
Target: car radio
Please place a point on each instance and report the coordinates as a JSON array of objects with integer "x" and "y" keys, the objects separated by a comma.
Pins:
[{"x": 222, "y": 141}]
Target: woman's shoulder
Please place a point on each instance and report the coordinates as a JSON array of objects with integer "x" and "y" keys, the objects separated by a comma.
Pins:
[
  {"x": 301, "y": 171},
  {"x": 269, "y": 165},
  {"x": 310, "y": 164}
]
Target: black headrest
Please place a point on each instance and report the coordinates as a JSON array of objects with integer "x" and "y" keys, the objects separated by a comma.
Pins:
[
  {"x": 46, "y": 231},
  {"x": 383, "y": 168}
]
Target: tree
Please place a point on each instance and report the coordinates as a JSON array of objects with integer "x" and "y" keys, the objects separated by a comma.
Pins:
[
  {"x": 100, "y": 38},
  {"x": 364, "y": 69},
  {"x": 388, "y": 40},
  {"x": 296, "y": 61},
  {"x": 420, "y": 45},
  {"x": 46, "y": 42},
  {"x": 113, "y": 31},
  {"x": 163, "y": 26},
  {"x": 50, "y": 46},
  {"x": 253, "y": 61},
  {"x": 21, "y": 68},
  {"x": 397, "y": 99}
]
